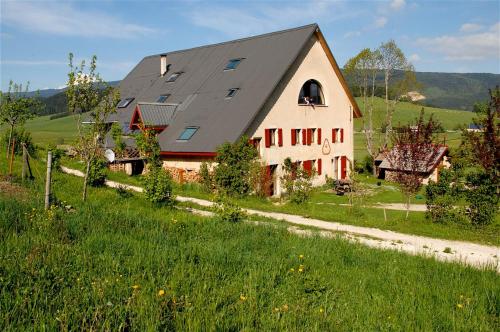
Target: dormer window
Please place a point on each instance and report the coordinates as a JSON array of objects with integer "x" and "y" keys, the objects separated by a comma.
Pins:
[
  {"x": 162, "y": 98},
  {"x": 311, "y": 93},
  {"x": 231, "y": 93},
  {"x": 174, "y": 76},
  {"x": 125, "y": 102},
  {"x": 233, "y": 63},
  {"x": 187, "y": 133}
]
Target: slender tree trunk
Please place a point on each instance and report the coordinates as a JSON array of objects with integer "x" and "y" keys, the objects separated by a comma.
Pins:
[
  {"x": 87, "y": 170},
  {"x": 10, "y": 140}
]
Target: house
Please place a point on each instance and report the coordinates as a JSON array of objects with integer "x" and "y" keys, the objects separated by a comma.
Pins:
[
  {"x": 283, "y": 90},
  {"x": 428, "y": 167},
  {"x": 473, "y": 127}
]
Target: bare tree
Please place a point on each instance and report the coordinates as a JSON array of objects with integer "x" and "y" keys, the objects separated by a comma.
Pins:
[
  {"x": 16, "y": 108},
  {"x": 413, "y": 155},
  {"x": 88, "y": 94}
]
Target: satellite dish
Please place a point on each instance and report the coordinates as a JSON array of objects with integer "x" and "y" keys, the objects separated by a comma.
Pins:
[{"x": 110, "y": 155}]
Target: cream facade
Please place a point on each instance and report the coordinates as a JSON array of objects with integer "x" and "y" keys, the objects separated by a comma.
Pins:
[{"x": 284, "y": 113}]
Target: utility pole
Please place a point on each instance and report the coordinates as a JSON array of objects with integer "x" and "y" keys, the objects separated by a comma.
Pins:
[{"x": 47, "y": 183}]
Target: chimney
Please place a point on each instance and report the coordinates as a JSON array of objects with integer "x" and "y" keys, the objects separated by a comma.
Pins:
[{"x": 163, "y": 64}]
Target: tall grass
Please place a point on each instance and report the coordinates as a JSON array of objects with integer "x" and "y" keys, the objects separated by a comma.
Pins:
[{"x": 102, "y": 265}]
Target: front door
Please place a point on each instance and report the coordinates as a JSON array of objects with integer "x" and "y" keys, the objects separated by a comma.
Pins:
[{"x": 343, "y": 167}]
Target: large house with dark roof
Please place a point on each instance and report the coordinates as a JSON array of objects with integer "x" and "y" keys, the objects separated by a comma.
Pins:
[{"x": 284, "y": 90}]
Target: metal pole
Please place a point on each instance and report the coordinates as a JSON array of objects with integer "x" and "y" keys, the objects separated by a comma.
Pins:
[{"x": 47, "y": 183}]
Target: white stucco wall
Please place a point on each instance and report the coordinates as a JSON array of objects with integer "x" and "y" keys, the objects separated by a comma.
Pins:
[{"x": 283, "y": 111}]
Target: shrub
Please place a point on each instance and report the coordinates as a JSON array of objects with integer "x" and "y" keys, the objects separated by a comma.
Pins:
[
  {"x": 97, "y": 172},
  {"x": 441, "y": 198},
  {"x": 233, "y": 167},
  {"x": 297, "y": 182},
  {"x": 482, "y": 199},
  {"x": 57, "y": 154},
  {"x": 158, "y": 186},
  {"x": 227, "y": 210},
  {"x": 206, "y": 178},
  {"x": 260, "y": 180}
]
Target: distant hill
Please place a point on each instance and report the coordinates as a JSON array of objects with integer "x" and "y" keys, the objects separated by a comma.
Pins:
[{"x": 450, "y": 90}]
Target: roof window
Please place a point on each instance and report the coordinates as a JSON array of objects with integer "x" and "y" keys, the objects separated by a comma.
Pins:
[
  {"x": 162, "y": 98},
  {"x": 125, "y": 102},
  {"x": 231, "y": 93},
  {"x": 187, "y": 133},
  {"x": 233, "y": 63},
  {"x": 174, "y": 76}
]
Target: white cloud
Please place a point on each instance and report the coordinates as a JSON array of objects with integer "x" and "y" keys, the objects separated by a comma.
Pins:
[
  {"x": 351, "y": 34},
  {"x": 470, "y": 27},
  {"x": 397, "y": 4},
  {"x": 63, "y": 19},
  {"x": 380, "y": 22},
  {"x": 414, "y": 57},
  {"x": 475, "y": 46}
]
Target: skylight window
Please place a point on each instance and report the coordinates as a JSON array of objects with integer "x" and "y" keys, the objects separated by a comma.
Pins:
[
  {"x": 125, "y": 102},
  {"x": 232, "y": 64},
  {"x": 162, "y": 98},
  {"x": 174, "y": 76},
  {"x": 231, "y": 93},
  {"x": 187, "y": 133}
]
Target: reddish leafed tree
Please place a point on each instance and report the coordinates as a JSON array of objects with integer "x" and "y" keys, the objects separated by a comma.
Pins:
[{"x": 414, "y": 155}]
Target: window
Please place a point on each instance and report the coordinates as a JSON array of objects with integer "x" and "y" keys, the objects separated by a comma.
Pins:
[
  {"x": 231, "y": 93},
  {"x": 295, "y": 136},
  {"x": 272, "y": 136},
  {"x": 313, "y": 134},
  {"x": 232, "y": 64},
  {"x": 174, "y": 76},
  {"x": 311, "y": 94},
  {"x": 125, "y": 102},
  {"x": 187, "y": 133},
  {"x": 162, "y": 98}
]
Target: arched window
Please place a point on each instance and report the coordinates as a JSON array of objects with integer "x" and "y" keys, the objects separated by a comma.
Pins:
[{"x": 311, "y": 93}]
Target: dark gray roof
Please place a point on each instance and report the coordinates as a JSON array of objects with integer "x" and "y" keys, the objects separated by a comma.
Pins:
[
  {"x": 157, "y": 114},
  {"x": 201, "y": 89}
]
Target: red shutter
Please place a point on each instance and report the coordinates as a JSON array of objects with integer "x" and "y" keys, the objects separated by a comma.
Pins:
[
  {"x": 293, "y": 134},
  {"x": 267, "y": 137},
  {"x": 280, "y": 137},
  {"x": 304, "y": 136},
  {"x": 342, "y": 135},
  {"x": 319, "y": 166},
  {"x": 334, "y": 135},
  {"x": 309, "y": 136},
  {"x": 307, "y": 164},
  {"x": 319, "y": 136},
  {"x": 343, "y": 167}
]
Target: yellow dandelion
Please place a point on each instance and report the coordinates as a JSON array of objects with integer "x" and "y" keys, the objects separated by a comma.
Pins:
[
  {"x": 301, "y": 256},
  {"x": 276, "y": 309},
  {"x": 135, "y": 287},
  {"x": 460, "y": 305},
  {"x": 301, "y": 269},
  {"x": 161, "y": 292},
  {"x": 321, "y": 310},
  {"x": 285, "y": 307},
  {"x": 243, "y": 297},
  {"x": 292, "y": 270}
]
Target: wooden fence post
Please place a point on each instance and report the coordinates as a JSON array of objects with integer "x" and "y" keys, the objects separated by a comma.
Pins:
[
  {"x": 25, "y": 161},
  {"x": 47, "y": 183},
  {"x": 12, "y": 157}
]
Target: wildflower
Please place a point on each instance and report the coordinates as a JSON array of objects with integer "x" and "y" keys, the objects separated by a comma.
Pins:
[
  {"x": 292, "y": 270},
  {"x": 460, "y": 305},
  {"x": 243, "y": 297},
  {"x": 135, "y": 287},
  {"x": 285, "y": 307},
  {"x": 276, "y": 309},
  {"x": 301, "y": 270},
  {"x": 161, "y": 292},
  {"x": 321, "y": 310},
  {"x": 301, "y": 256}
]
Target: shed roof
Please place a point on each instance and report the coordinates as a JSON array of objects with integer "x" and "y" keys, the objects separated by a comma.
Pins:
[{"x": 426, "y": 165}]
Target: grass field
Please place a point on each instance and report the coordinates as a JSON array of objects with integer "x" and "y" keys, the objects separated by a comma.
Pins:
[{"x": 117, "y": 263}]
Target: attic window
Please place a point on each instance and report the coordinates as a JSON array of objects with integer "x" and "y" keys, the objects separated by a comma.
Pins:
[
  {"x": 311, "y": 93},
  {"x": 162, "y": 98},
  {"x": 231, "y": 93},
  {"x": 125, "y": 102},
  {"x": 174, "y": 76},
  {"x": 187, "y": 133},
  {"x": 233, "y": 63}
]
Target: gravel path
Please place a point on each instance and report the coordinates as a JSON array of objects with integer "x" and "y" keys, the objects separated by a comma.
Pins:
[{"x": 468, "y": 253}]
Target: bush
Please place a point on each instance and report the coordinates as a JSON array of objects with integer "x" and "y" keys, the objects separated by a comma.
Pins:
[
  {"x": 227, "y": 210},
  {"x": 158, "y": 186},
  {"x": 232, "y": 174},
  {"x": 260, "y": 179},
  {"x": 22, "y": 136},
  {"x": 297, "y": 182},
  {"x": 441, "y": 198},
  {"x": 482, "y": 199},
  {"x": 97, "y": 172},
  {"x": 206, "y": 178},
  {"x": 57, "y": 154}
]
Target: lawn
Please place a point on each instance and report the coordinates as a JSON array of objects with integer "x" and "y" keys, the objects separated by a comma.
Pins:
[{"x": 119, "y": 263}]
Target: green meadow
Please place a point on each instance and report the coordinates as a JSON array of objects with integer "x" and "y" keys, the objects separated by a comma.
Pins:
[{"x": 119, "y": 263}]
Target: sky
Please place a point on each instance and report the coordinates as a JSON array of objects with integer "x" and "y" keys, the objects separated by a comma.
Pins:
[{"x": 37, "y": 36}]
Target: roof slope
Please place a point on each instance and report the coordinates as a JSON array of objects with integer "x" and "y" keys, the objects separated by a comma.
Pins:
[
  {"x": 426, "y": 165},
  {"x": 202, "y": 87},
  {"x": 156, "y": 114}
]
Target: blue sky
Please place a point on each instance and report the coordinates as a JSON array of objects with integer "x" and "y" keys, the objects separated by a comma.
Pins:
[{"x": 36, "y": 36}]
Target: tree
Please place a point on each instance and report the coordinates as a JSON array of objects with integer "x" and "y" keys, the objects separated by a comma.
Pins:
[
  {"x": 363, "y": 69},
  {"x": 234, "y": 163},
  {"x": 414, "y": 152},
  {"x": 88, "y": 94},
  {"x": 16, "y": 108},
  {"x": 391, "y": 60}
]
